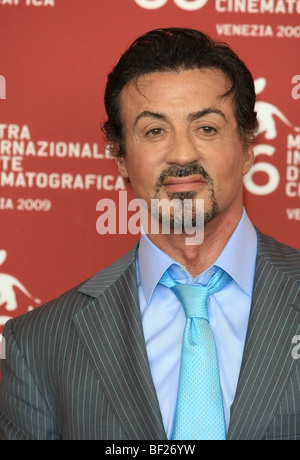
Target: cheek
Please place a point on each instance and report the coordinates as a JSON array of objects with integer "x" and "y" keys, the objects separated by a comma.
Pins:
[
  {"x": 140, "y": 170},
  {"x": 142, "y": 165},
  {"x": 142, "y": 177},
  {"x": 228, "y": 173}
]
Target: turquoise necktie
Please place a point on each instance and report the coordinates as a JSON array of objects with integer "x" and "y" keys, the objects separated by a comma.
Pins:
[{"x": 199, "y": 410}]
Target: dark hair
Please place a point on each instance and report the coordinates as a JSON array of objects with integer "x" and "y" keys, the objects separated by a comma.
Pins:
[{"x": 174, "y": 49}]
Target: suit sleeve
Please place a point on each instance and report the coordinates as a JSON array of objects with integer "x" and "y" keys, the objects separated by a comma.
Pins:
[{"x": 24, "y": 413}]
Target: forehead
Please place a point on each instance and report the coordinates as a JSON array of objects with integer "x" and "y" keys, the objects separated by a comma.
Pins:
[{"x": 176, "y": 91}]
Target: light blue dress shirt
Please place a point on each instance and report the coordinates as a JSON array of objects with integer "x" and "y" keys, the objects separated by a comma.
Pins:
[{"x": 163, "y": 317}]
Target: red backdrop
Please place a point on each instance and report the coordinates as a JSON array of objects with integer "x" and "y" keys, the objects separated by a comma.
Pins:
[{"x": 54, "y": 58}]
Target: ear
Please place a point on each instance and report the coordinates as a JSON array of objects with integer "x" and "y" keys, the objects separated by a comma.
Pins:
[
  {"x": 249, "y": 159},
  {"x": 121, "y": 164}
]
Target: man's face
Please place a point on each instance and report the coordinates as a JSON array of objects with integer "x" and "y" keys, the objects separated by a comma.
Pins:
[{"x": 182, "y": 140}]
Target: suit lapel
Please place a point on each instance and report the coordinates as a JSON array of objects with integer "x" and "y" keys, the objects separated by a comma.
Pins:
[
  {"x": 267, "y": 360},
  {"x": 111, "y": 332}
]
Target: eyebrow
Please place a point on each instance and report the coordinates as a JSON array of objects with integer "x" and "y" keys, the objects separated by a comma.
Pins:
[
  {"x": 195, "y": 115},
  {"x": 191, "y": 116},
  {"x": 149, "y": 114}
]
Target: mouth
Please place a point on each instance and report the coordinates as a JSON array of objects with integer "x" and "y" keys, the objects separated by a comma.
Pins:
[{"x": 183, "y": 184}]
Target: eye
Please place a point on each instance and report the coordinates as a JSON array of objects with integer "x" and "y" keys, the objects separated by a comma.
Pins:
[
  {"x": 208, "y": 130},
  {"x": 154, "y": 132}
]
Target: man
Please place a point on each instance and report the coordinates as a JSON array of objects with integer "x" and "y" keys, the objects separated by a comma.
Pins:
[{"x": 103, "y": 361}]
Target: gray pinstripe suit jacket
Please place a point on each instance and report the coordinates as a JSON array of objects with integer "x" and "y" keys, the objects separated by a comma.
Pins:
[{"x": 77, "y": 367}]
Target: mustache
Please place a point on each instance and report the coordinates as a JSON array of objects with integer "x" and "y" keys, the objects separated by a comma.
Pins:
[{"x": 183, "y": 171}]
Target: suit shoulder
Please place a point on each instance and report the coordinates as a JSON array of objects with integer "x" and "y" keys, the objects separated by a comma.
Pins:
[
  {"x": 62, "y": 307},
  {"x": 285, "y": 257},
  {"x": 65, "y": 306}
]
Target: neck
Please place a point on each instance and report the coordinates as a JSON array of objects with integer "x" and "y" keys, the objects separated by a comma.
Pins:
[{"x": 199, "y": 257}]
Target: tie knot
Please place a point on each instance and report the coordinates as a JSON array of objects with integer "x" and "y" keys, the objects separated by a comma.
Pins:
[{"x": 194, "y": 297}]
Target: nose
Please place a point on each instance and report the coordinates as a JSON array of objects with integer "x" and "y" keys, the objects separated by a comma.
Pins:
[{"x": 182, "y": 151}]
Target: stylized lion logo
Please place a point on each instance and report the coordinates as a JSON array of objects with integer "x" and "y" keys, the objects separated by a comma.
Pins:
[
  {"x": 8, "y": 284},
  {"x": 267, "y": 114}
]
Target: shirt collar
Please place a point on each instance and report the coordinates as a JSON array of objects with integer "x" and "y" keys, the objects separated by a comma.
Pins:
[
  {"x": 152, "y": 263},
  {"x": 237, "y": 259}
]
